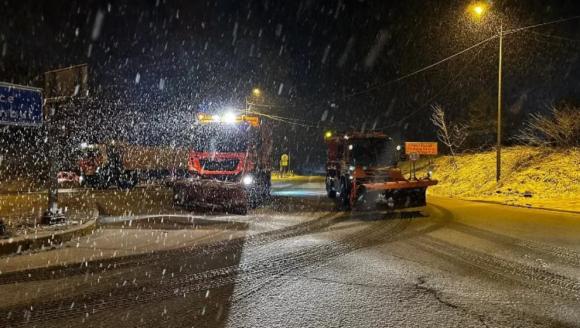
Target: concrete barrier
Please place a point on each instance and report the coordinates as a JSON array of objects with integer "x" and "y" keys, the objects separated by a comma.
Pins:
[{"x": 45, "y": 239}]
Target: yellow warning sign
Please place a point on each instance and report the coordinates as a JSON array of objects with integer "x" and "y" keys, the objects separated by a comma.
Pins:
[
  {"x": 421, "y": 148},
  {"x": 284, "y": 160}
]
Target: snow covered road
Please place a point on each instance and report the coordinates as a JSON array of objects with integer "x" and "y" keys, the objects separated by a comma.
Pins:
[{"x": 453, "y": 264}]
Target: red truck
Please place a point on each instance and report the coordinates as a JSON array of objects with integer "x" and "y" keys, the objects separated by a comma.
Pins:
[
  {"x": 229, "y": 163},
  {"x": 362, "y": 171}
]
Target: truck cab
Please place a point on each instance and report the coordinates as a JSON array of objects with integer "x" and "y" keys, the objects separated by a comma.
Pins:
[{"x": 229, "y": 162}]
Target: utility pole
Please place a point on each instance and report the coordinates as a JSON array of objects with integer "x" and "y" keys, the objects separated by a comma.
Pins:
[{"x": 499, "y": 78}]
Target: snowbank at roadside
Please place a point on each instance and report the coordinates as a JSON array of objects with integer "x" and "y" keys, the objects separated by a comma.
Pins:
[{"x": 535, "y": 177}]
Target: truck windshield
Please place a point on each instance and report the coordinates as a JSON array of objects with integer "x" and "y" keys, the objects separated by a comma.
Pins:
[
  {"x": 220, "y": 138},
  {"x": 371, "y": 152}
]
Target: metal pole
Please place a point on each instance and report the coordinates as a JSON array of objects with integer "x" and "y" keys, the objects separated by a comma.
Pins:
[
  {"x": 52, "y": 187},
  {"x": 52, "y": 214},
  {"x": 499, "y": 78}
]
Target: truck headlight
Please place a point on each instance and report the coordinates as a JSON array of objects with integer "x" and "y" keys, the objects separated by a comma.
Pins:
[{"x": 247, "y": 180}]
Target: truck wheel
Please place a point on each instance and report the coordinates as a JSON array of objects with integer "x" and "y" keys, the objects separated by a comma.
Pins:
[
  {"x": 330, "y": 188},
  {"x": 262, "y": 190},
  {"x": 128, "y": 180},
  {"x": 178, "y": 199},
  {"x": 344, "y": 198},
  {"x": 241, "y": 210},
  {"x": 261, "y": 193},
  {"x": 102, "y": 184}
]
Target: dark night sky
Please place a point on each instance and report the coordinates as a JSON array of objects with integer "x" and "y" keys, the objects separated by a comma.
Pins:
[{"x": 161, "y": 60}]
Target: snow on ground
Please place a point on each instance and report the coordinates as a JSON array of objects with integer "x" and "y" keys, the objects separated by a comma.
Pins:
[{"x": 535, "y": 177}]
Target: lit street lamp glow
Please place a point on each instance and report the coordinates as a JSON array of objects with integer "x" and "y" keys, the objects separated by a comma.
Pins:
[
  {"x": 256, "y": 92},
  {"x": 478, "y": 9}
]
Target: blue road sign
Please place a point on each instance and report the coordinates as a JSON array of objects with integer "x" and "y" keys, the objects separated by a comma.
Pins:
[{"x": 20, "y": 105}]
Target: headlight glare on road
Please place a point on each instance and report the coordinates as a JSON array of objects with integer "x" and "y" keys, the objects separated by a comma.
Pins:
[{"x": 247, "y": 180}]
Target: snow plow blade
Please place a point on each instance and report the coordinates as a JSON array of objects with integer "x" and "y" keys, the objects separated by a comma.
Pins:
[
  {"x": 211, "y": 193},
  {"x": 396, "y": 194},
  {"x": 394, "y": 185}
]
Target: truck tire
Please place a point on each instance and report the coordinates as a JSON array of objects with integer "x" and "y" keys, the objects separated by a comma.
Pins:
[
  {"x": 343, "y": 201},
  {"x": 241, "y": 210},
  {"x": 127, "y": 181},
  {"x": 261, "y": 192},
  {"x": 330, "y": 188},
  {"x": 267, "y": 187}
]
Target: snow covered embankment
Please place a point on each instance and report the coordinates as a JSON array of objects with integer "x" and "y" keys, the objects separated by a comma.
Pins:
[{"x": 534, "y": 177}]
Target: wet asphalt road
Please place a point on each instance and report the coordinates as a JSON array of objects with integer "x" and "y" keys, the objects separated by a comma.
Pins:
[{"x": 452, "y": 264}]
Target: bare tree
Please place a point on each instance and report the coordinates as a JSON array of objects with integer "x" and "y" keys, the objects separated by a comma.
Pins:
[
  {"x": 560, "y": 129},
  {"x": 452, "y": 135}
]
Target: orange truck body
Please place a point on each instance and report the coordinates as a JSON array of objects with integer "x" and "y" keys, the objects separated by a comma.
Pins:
[{"x": 362, "y": 170}]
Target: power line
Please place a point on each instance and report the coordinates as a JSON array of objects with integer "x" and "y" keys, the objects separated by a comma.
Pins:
[
  {"x": 423, "y": 69},
  {"x": 286, "y": 120},
  {"x": 557, "y": 21},
  {"x": 428, "y": 102},
  {"x": 557, "y": 37},
  {"x": 276, "y": 116},
  {"x": 507, "y": 32}
]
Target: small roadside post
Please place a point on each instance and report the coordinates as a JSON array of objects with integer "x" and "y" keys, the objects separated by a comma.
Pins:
[
  {"x": 414, "y": 150},
  {"x": 413, "y": 157}
]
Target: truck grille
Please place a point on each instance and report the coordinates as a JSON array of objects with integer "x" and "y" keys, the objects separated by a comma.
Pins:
[{"x": 219, "y": 165}]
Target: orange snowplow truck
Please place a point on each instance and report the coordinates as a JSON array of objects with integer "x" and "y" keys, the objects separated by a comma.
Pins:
[
  {"x": 362, "y": 172},
  {"x": 229, "y": 163}
]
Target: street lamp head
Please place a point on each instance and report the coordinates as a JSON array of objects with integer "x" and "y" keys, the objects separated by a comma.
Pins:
[
  {"x": 256, "y": 92},
  {"x": 478, "y": 9}
]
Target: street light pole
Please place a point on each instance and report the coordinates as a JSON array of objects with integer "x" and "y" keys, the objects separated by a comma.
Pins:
[
  {"x": 477, "y": 11},
  {"x": 499, "y": 78}
]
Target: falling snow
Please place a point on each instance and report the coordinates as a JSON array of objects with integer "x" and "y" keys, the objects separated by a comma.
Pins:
[{"x": 231, "y": 163}]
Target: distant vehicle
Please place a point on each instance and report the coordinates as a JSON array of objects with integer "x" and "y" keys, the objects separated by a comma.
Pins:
[
  {"x": 361, "y": 171},
  {"x": 229, "y": 163},
  {"x": 125, "y": 165},
  {"x": 68, "y": 178}
]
